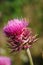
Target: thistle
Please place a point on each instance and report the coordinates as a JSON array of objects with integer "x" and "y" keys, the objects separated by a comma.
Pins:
[
  {"x": 5, "y": 60},
  {"x": 20, "y": 36}
]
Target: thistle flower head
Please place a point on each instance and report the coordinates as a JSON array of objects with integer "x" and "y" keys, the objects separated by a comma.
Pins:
[
  {"x": 14, "y": 27},
  {"x": 5, "y": 60},
  {"x": 19, "y": 35}
]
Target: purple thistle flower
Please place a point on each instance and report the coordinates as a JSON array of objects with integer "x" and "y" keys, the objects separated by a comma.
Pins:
[
  {"x": 19, "y": 35},
  {"x": 14, "y": 27},
  {"x": 5, "y": 60}
]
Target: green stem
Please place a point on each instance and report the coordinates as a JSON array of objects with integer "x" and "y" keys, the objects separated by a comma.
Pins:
[{"x": 30, "y": 57}]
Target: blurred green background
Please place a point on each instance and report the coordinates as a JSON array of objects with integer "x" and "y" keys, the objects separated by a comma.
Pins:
[{"x": 32, "y": 10}]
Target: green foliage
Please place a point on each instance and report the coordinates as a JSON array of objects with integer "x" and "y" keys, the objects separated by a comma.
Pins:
[{"x": 11, "y": 8}]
